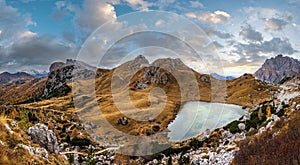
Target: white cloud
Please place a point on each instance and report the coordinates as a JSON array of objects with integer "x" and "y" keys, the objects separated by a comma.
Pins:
[
  {"x": 139, "y": 4},
  {"x": 27, "y": 34},
  {"x": 94, "y": 13},
  {"x": 159, "y": 22},
  {"x": 28, "y": 20},
  {"x": 191, "y": 15},
  {"x": 14, "y": 25},
  {"x": 273, "y": 19},
  {"x": 196, "y": 4},
  {"x": 215, "y": 17}
]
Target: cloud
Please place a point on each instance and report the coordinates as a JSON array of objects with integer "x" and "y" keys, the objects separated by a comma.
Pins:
[
  {"x": 159, "y": 22},
  {"x": 13, "y": 25},
  {"x": 214, "y": 32},
  {"x": 248, "y": 33},
  {"x": 196, "y": 4},
  {"x": 139, "y": 4},
  {"x": 273, "y": 46},
  {"x": 215, "y": 17},
  {"x": 94, "y": 13},
  {"x": 88, "y": 16},
  {"x": 273, "y": 19},
  {"x": 34, "y": 51},
  {"x": 275, "y": 24}
]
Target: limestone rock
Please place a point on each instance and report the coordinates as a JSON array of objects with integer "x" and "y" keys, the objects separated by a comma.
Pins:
[{"x": 45, "y": 138}]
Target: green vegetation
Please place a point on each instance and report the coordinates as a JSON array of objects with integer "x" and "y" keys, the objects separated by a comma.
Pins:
[
  {"x": 280, "y": 113},
  {"x": 80, "y": 142},
  {"x": 233, "y": 126},
  {"x": 184, "y": 159}
]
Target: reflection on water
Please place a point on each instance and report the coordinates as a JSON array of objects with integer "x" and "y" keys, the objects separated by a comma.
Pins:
[{"x": 196, "y": 116}]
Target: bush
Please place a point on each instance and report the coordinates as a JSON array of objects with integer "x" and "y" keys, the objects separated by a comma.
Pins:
[
  {"x": 80, "y": 142},
  {"x": 280, "y": 113},
  {"x": 195, "y": 144},
  {"x": 233, "y": 126},
  {"x": 252, "y": 132},
  {"x": 155, "y": 128},
  {"x": 157, "y": 156}
]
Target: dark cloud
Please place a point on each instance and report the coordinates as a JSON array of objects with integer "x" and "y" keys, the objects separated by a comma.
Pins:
[
  {"x": 256, "y": 51},
  {"x": 275, "y": 24},
  {"x": 68, "y": 36},
  {"x": 248, "y": 33},
  {"x": 37, "y": 50}
]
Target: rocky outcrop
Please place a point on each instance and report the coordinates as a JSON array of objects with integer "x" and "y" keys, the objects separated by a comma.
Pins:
[
  {"x": 46, "y": 138},
  {"x": 276, "y": 69},
  {"x": 62, "y": 73}
]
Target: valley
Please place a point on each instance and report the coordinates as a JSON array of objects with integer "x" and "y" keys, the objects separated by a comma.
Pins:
[{"x": 139, "y": 101}]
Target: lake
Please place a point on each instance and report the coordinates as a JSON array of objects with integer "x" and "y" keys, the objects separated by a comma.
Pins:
[{"x": 195, "y": 117}]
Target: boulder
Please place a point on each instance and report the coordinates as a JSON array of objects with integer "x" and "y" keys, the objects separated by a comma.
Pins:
[
  {"x": 46, "y": 138},
  {"x": 242, "y": 126}
]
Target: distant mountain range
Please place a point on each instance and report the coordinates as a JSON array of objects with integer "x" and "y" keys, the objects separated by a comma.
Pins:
[
  {"x": 17, "y": 78},
  {"x": 276, "y": 70},
  {"x": 219, "y": 77}
]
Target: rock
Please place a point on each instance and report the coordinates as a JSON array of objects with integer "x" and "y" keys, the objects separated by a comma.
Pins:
[
  {"x": 151, "y": 119},
  {"x": 269, "y": 125},
  {"x": 122, "y": 121},
  {"x": 275, "y": 70},
  {"x": 275, "y": 117},
  {"x": 227, "y": 134},
  {"x": 298, "y": 107},
  {"x": 37, "y": 152},
  {"x": 8, "y": 129},
  {"x": 45, "y": 138},
  {"x": 14, "y": 124},
  {"x": 242, "y": 126},
  {"x": 261, "y": 130}
]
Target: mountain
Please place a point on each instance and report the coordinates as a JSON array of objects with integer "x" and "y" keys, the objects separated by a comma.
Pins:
[
  {"x": 276, "y": 69},
  {"x": 219, "y": 77},
  {"x": 60, "y": 74},
  {"x": 11, "y": 78}
]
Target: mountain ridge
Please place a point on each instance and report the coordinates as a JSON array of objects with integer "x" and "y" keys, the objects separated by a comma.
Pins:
[{"x": 276, "y": 69}]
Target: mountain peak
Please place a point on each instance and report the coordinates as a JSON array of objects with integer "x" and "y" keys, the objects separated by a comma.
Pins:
[
  {"x": 141, "y": 59},
  {"x": 276, "y": 69}
]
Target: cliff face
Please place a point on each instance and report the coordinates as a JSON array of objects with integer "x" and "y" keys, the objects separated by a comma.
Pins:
[
  {"x": 276, "y": 69},
  {"x": 62, "y": 73}
]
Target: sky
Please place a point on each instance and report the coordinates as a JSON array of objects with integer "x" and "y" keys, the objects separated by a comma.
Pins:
[{"x": 230, "y": 37}]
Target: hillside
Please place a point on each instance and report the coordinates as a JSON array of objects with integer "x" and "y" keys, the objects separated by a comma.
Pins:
[
  {"x": 277, "y": 145},
  {"x": 130, "y": 96},
  {"x": 7, "y": 79},
  {"x": 276, "y": 69}
]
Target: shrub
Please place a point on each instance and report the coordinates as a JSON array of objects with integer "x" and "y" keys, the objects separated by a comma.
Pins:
[
  {"x": 280, "y": 113},
  {"x": 155, "y": 128},
  {"x": 80, "y": 142},
  {"x": 233, "y": 126},
  {"x": 157, "y": 156},
  {"x": 195, "y": 144}
]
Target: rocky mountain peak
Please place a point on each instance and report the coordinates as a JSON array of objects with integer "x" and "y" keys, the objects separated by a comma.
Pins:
[
  {"x": 62, "y": 73},
  {"x": 278, "y": 68},
  {"x": 141, "y": 60}
]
